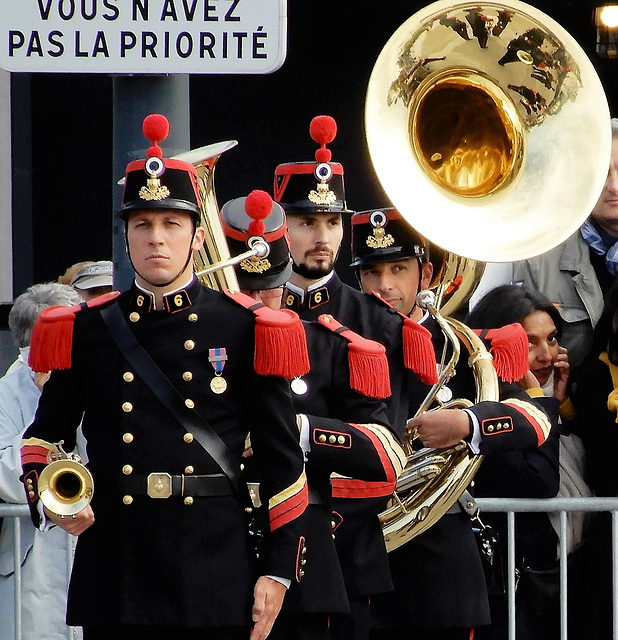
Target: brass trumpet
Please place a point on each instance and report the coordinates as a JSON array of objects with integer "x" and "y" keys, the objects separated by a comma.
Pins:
[{"x": 66, "y": 486}]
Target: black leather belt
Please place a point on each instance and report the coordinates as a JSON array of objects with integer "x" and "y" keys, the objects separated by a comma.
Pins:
[{"x": 164, "y": 485}]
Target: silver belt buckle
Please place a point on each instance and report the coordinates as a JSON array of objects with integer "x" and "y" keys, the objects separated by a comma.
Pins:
[{"x": 159, "y": 485}]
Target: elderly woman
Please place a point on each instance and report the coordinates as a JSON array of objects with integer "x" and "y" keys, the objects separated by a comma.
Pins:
[{"x": 43, "y": 555}]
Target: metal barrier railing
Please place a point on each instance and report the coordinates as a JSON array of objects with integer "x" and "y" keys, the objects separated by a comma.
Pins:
[
  {"x": 16, "y": 512},
  {"x": 509, "y": 506},
  {"x": 562, "y": 506}
]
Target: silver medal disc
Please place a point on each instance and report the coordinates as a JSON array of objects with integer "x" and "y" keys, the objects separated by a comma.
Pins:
[
  {"x": 444, "y": 394},
  {"x": 299, "y": 386}
]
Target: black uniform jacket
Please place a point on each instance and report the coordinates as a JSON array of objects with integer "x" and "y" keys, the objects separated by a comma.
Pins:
[
  {"x": 184, "y": 560},
  {"x": 350, "y": 436},
  {"x": 438, "y": 575},
  {"x": 358, "y": 536}
]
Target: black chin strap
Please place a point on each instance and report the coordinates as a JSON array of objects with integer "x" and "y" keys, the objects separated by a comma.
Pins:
[{"x": 165, "y": 284}]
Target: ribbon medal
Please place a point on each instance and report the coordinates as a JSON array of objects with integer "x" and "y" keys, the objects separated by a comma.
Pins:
[{"x": 217, "y": 358}]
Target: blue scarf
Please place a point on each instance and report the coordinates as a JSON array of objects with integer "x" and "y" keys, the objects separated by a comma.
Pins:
[{"x": 602, "y": 244}]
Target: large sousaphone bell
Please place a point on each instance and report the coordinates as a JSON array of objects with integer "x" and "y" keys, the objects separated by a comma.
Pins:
[{"x": 489, "y": 130}]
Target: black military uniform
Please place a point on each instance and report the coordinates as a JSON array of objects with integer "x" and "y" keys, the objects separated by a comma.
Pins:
[
  {"x": 346, "y": 426},
  {"x": 169, "y": 547},
  {"x": 317, "y": 188},
  {"x": 440, "y": 587}
]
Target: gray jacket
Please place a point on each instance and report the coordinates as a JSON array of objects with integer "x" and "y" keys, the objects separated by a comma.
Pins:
[{"x": 566, "y": 276}]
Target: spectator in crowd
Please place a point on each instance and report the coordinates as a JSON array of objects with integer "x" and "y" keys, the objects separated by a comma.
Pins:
[
  {"x": 577, "y": 274},
  {"x": 531, "y": 473},
  {"x": 94, "y": 279},
  {"x": 43, "y": 556}
]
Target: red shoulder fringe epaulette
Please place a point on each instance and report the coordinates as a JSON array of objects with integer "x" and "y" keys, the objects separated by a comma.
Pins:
[
  {"x": 280, "y": 339},
  {"x": 52, "y": 336},
  {"x": 367, "y": 360},
  {"x": 419, "y": 355},
  {"x": 509, "y": 347}
]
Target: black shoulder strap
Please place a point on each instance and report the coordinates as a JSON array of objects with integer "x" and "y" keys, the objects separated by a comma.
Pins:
[{"x": 167, "y": 394}]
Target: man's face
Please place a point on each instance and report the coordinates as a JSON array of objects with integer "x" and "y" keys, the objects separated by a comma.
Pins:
[
  {"x": 315, "y": 239},
  {"x": 605, "y": 211},
  {"x": 159, "y": 243},
  {"x": 397, "y": 282}
]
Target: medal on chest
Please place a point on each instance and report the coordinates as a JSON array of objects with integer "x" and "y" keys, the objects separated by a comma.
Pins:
[
  {"x": 299, "y": 386},
  {"x": 217, "y": 358}
]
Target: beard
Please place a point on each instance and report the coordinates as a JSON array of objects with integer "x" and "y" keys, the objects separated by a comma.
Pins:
[{"x": 312, "y": 273}]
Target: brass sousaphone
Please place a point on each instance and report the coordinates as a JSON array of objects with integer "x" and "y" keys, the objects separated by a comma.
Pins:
[{"x": 489, "y": 130}]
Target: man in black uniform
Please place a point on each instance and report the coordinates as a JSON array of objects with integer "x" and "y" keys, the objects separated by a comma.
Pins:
[
  {"x": 312, "y": 196},
  {"x": 440, "y": 587},
  {"x": 166, "y": 380},
  {"x": 344, "y": 427}
]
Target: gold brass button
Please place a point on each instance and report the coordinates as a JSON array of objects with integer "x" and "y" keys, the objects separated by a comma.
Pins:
[
  {"x": 193, "y": 317},
  {"x": 189, "y": 470},
  {"x": 242, "y": 466},
  {"x": 128, "y": 376},
  {"x": 127, "y": 469},
  {"x": 303, "y": 561},
  {"x": 248, "y": 510},
  {"x": 29, "y": 481},
  {"x": 188, "y": 501},
  {"x": 189, "y": 403},
  {"x": 188, "y": 437},
  {"x": 333, "y": 524},
  {"x": 332, "y": 439},
  {"x": 127, "y": 407},
  {"x": 341, "y": 439},
  {"x": 128, "y": 437},
  {"x": 304, "y": 550},
  {"x": 127, "y": 499},
  {"x": 490, "y": 428},
  {"x": 187, "y": 375},
  {"x": 322, "y": 438},
  {"x": 134, "y": 317},
  {"x": 189, "y": 344},
  {"x": 31, "y": 494}
]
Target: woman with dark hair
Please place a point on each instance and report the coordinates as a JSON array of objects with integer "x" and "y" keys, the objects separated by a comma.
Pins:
[{"x": 533, "y": 473}]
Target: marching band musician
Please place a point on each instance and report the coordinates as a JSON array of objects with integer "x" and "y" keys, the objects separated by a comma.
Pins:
[
  {"x": 166, "y": 379},
  {"x": 345, "y": 429},
  {"x": 312, "y": 195},
  {"x": 440, "y": 586}
]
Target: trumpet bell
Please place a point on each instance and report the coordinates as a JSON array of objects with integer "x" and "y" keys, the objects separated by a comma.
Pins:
[
  {"x": 488, "y": 128},
  {"x": 65, "y": 487}
]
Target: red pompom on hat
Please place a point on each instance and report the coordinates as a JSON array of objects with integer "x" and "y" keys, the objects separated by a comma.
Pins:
[
  {"x": 258, "y": 206},
  {"x": 156, "y": 128},
  {"x": 323, "y": 130}
]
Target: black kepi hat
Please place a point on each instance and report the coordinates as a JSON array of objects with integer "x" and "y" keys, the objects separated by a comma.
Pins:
[
  {"x": 157, "y": 182},
  {"x": 247, "y": 220},
  {"x": 313, "y": 187},
  {"x": 383, "y": 235}
]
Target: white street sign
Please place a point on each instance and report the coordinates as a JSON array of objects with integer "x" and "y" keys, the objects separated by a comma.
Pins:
[{"x": 143, "y": 36}]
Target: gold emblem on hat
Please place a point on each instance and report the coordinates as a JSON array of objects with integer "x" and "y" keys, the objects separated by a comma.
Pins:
[
  {"x": 380, "y": 239},
  {"x": 153, "y": 190},
  {"x": 322, "y": 195},
  {"x": 255, "y": 265}
]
